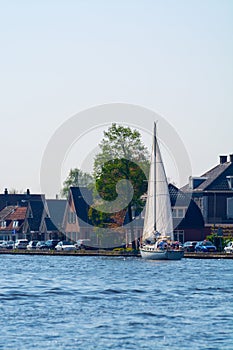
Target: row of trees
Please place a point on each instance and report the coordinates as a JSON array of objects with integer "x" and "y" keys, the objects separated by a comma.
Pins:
[{"x": 119, "y": 176}]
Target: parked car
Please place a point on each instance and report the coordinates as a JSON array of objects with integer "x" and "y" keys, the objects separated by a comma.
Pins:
[
  {"x": 21, "y": 244},
  {"x": 32, "y": 245},
  {"x": 65, "y": 245},
  {"x": 229, "y": 247},
  {"x": 2, "y": 244},
  {"x": 9, "y": 245},
  {"x": 205, "y": 246},
  {"x": 50, "y": 244},
  {"x": 189, "y": 246},
  {"x": 83, "y": 244},
  {"x": 40, "y": 244}
]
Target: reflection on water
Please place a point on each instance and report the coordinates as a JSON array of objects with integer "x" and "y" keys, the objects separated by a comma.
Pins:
[{"x": 115, "y": 303}]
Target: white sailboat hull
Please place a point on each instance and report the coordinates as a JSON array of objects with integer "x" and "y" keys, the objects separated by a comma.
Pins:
[{"x": 157, "y": 254}]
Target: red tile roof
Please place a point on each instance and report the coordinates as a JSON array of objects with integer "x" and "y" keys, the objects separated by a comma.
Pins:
[{"x": 18, "y": 213}]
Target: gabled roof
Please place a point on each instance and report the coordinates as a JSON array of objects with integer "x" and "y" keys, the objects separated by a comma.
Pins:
[
  {"x": 56, "y": 208},
  {"x": 215, "y": 179},
  {"x": 6, "y": 211},
  {"x": 82, "y": 198},
  {"x": 50, "y": 225},
  {"x": 193, "y": 217},
  {"x": 37, "y": 208}
]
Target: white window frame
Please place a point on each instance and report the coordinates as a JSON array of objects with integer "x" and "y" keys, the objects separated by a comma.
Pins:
[
  {"x": 230, "y": 182},
  {"x": 176, "y": 212},
  {"x": 3, "y": 224},
  {"x": 15, "y": 223},
  {"x": 180, "y": 235}
]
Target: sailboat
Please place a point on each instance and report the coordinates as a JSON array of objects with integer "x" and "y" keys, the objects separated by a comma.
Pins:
[{"x": 158, "y": 239}]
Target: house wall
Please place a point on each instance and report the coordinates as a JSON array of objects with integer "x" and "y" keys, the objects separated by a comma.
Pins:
[
  {"x": 217, "y": 208},
  {"x": 71, "y": 224},
  {"x": 74, "y": 228},
  {"x": 194, "y": 234}
]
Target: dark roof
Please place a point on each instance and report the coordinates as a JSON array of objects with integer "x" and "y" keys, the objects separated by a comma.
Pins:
[
  {"x": 37, "y": 214},
  {"x": 6, "y": 211},
  {"x": 56, "y": 208},
  {"x": 50, "y": 225},
  {"x": 193, "y": 217},
  {"x": 82, "y": 198},
  {"x": 18, "y": 199},
  {"x": 215, "y": 179}
]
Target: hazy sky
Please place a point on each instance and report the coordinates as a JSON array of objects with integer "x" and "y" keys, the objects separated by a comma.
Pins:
[{"x": 60, "y": 57}]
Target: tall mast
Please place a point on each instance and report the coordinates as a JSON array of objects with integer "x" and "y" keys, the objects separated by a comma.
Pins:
[{"x": 155, "y": 145}]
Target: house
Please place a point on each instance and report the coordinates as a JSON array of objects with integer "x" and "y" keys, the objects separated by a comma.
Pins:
[
  {"x": 54, "y": 221},
  {"x": 188, "y": 221},
  {"x": 76, "y": 223},
  {"x": 213, "y": 193},
  {"x": 12, "y": 222},
  {"x": 25, "y": 216}
]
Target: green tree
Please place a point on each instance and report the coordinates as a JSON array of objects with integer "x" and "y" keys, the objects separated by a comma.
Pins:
[
  {"x": 122, "y": 157},
  {"x": 76, "y": 177}
]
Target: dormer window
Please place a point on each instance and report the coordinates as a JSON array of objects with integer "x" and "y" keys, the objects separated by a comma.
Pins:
[
  {"x": 3, "y": 224},
  {"x": 230, "y": 182},
  {"x": 15, "y": 223}
]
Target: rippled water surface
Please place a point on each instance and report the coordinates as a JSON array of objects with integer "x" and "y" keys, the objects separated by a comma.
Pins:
[{"x": 61, "y": 302}]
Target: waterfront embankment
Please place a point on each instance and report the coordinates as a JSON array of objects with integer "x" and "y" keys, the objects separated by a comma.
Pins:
[{"x": 112, "y": 253}]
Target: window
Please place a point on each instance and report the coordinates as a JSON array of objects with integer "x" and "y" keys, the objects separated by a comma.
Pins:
[
  {"x": 230, "y": 208},
  {"x": 179, "y": 236},
  {"x": 178, "y": 212},
  {"x": 3, "y": 224},
  {"x": 15, "y": 223},
  {"x": 230, "y": 182},
  {"x": 71, "y": 217}
]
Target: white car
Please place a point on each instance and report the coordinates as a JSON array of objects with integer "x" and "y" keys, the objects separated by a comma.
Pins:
[
  {"x": 32, "y": 245},
  {"x": 65, "y": 245},
  {"x": 229, "y": 247},
  {"x": 21, "y": 244}
]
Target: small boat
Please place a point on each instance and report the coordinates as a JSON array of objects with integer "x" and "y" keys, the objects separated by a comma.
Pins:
[{"x": 157, "y": 239}]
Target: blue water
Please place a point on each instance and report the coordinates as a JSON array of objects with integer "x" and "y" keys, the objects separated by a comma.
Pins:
[{"x": 61, "y": 302}]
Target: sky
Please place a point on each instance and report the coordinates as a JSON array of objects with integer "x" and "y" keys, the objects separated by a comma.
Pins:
[{"x": 62, "y": 57}]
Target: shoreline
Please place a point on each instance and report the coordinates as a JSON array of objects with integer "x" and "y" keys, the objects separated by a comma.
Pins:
[{"x": 102, "y": 252}]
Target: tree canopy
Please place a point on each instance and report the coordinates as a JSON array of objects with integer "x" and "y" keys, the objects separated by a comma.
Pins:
[
  {"x": 76, "y": 177},
  {"x": 122, "y": 157}
]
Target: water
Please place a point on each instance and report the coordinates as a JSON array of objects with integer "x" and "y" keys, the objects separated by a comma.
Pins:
[{"x": 61, "y": 302}]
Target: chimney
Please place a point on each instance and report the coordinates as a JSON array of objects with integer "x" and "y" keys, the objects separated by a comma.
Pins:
[
  {"x": 6, "y": 191},
  {"x": 231, "y": 158},
  {"x": 28, "y": 192},
  {"x": 223, "y": 159}
]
